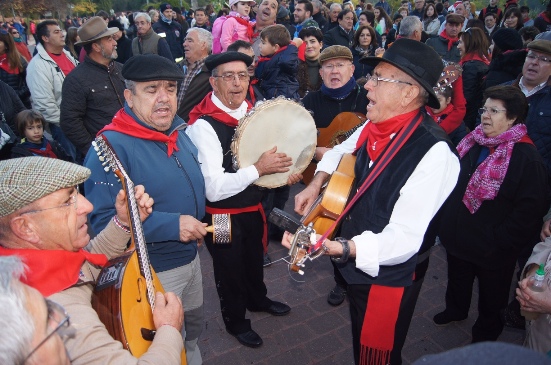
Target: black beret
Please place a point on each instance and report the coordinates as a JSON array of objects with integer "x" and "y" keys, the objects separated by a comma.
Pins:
[
  {"x": 151, "y": 67},
  {"x": 216, "y": 60}
]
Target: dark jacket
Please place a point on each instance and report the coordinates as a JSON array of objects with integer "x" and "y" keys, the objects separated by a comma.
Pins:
[
  {"x": 23, "y": 150},
  {"x": 10, "y": 105},
  {"x": 18, "y": 83},
  {"x": 473, "y": 78},
  {"x": 320, "y": 19},
  {"x": 197, "y": 90},
  {"x": 325, "y": 108},
  {"x": 278, "y": 74},
  {"x": 498, "y": 231},
  {"x": 124, "y": 49},
  {"x": 151, "y": 42},
  {"x": 338, "y": 36},
  {"x": 361, "y": 69},
  {"x": 329, "y": 25},
  {"x": 91, "y": 95},
  {"x": 174, "y": 36},
  {"x": 440, "y": 45},
  {"x": 505, "y": 68}
]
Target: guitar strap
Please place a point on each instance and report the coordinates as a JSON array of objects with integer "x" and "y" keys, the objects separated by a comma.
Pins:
[{"x": 379, "y": 166}]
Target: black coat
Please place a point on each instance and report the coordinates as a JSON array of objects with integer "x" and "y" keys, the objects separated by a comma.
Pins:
[
  {"x": 501, "y": 228},
  {"x": 337, "y": 36},
  {"x": 505, "y": 68},
  {"x": 174, "y": 36},
  {"x": 440, "y": 45},
  {"x": 198, "y": 88},
  {"x": 473, "y": 78},
  {"x": 10, "y": 105}
]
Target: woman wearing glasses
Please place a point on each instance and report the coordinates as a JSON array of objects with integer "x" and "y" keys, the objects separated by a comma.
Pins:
[
  {"x": 493, "y": 213},
  {"x": 473, "y": 49},
  {"x": 13, "y": 67}
]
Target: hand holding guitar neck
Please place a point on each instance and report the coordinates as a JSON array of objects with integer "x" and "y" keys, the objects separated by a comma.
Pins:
[
  {"x": 168, "y": 310},
  {"x": 144, "y": 201}
]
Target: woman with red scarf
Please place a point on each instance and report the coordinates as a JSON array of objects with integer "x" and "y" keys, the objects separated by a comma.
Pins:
[
  {"x": 473, "y": 48},
  {"x": 493, "y": 213},
  {"x": 12, "y": 68}
]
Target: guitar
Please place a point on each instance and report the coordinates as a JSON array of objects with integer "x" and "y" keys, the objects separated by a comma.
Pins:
[
  {"x": 341, "y": 127},
  {"x": 124, "y": 296},
  {"x": 325, "y": 210}
]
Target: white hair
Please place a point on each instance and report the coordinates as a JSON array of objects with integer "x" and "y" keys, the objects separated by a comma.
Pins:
[
  {"x": 334, "y": 6},
  {"x": 142, "y": 15},
  {"x": 204, "y": 36},
  {"x": 16, "y": 323}
]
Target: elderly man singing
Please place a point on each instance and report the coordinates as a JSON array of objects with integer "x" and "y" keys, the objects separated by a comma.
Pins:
[
  {"x": 43, "y": 221},
  {"x": 237, "y": 266},
  {"x": 147, "y": 137},
  {"x": 383, "y": 231}
]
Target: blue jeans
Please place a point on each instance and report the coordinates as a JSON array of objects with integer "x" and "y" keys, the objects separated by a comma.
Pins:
[{"x": 60, "y": 137}]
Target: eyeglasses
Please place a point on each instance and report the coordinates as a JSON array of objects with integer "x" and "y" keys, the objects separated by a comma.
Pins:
[
  {"x": 376, "y": 80},
  {"x": 56, "y": 315},
  {"x": 532, "y": 57},
  {"x": 72, "y": 200},
  {"x": 338, "y": 66},
  {"x": 491, "y": 111},
  {"x": 229, "y": 77},
  {"x": 15, "y": 32}
]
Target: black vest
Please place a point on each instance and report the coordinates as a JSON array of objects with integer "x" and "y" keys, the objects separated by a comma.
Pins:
[
  {"x": 373, "y": 210},
  {"x": 252, "y": 195}
]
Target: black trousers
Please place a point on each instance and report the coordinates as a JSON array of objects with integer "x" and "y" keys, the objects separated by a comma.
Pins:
[
  {"x": 493, "y": 294},
  {"x": 238, "y": 271}
]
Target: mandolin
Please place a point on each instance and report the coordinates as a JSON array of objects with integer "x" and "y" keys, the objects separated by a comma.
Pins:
[
  {"x": 341, "y": 127},
  {"x": 124, "y": 296}
]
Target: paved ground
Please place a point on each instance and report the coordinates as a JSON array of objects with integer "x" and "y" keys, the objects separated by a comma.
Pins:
[{"x": 317, "y": 333}]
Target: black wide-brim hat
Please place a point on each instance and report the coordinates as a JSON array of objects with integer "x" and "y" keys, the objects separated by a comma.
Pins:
[{"x": 417, "y": 60}]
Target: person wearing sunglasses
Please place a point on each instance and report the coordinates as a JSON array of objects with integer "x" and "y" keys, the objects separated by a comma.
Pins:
[
  {"x": 20, "y": 44},
  {"x": 40, "y": 323},
  {"x": 43, "y": 220},
  {"x": 494, "y": 212}
]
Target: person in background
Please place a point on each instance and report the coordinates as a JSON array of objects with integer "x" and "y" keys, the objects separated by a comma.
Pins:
[
  {"x": 446, "y": 42},
  {"x": 334, "y": 11},
  {"x": 384, "y": 23},
  {"x": 124, "y": 45},
  {"x": 13, "y": 67},
  {"x": 70, "y": 40},
  {"x": 365, "y": 44},
  {"x": 493, "y": 7},
  {"x": 303, "y": 16},
  {"x": 543, "y": 20},
  {"x": 172, "y": 30},
  {"x": 526, "y": 20},
  {"x": 508, "y": 57},
  {"x": 146, "y": 40},
  {"x": 237, "y": 25},
  {"x": 440, "y": 114},
  {"x": 343, "y": 35},
  {"x": 431, "y": 24},
  {"x": 20, "y": 44},
  {"x": 513, "y": 19},
  {"x": 528, "y": 34},
  {"x": 490, "y": 25}
]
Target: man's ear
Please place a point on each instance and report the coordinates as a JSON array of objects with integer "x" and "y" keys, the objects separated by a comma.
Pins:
[{"x": 24, "y": 228}]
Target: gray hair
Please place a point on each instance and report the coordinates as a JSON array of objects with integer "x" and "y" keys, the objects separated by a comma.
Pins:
[
  {"x": 152, "y": 13},
  {"x": 408, "y": 25},
  {"x": 334, "y": 6},
  {"x": 16, "y": 323},
  {"x": 142, "y": 15},
  {"x": 130, "y": 85},
  {"x": 316, "y": 4},
  {"x": 204, "y": 36}
]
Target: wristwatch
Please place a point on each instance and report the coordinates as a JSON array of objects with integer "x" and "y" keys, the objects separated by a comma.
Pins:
[{"x": 345, "y": 251}]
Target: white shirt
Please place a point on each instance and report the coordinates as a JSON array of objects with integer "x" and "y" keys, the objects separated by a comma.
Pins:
[
  {"x": 219, "y": 185},
  {"x": 423, "y": 194}
]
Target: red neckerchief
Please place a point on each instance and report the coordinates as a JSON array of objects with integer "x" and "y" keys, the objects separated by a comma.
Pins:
[
  {"x": 47, "y": 151},
  {"x": 264, "y": 59},
  {"x": 474, "y": 57},
  {"x": 250, "y": 31},
  {"x": 378, "y": 134},
  {"x": 441, "y": 117},
  {"x": 451, "y": 41},
  {"x": 254, "y": 81},
  {"x": 545, "y": 17},
  {"x": 45, "y": 272},
  {"x": 125, "y": 124},
  {"x": 207, "y": 107},
  {"x": 5, "y": 65}
]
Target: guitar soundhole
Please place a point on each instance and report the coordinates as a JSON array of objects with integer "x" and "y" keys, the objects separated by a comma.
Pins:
[{"x": 148, "y": 334}]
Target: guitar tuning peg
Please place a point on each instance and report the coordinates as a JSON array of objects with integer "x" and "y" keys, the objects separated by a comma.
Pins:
[
  {"x": 101, "y": 158},
  {"x": 301, "y": 272},
  {"x": 94, "y": 143},
  {"x": 106, "y": 168}
]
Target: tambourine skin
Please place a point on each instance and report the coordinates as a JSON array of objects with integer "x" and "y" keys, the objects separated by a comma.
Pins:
[{"x": 278, "y": 122}]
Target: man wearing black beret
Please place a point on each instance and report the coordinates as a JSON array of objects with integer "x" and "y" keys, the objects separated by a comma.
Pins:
[
  {"x": 147, "y": 136},
  {"x": 237, "y": 266}
]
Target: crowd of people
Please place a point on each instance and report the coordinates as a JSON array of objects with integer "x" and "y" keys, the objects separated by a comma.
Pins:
[{"x": 456, "y": 149}]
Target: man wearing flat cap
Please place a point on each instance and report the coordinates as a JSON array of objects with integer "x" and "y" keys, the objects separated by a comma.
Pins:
[
  {"x": 148, "y": 138},
  {"x": 237, "y": 266},
  {"x": 43, "y": 221},
  {"x": 93, "y": 92},
  {"x": 340, "y": 94},
  {"x": 410, "y": 168},
  {"x": 446, "y": 42}
]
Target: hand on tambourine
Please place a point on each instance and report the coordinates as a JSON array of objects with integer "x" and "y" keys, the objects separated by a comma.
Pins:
[
  {"x": 293, "y": 179},
  {"x": 271, "y": 162},
  {"x": 143, "y": 200},
  {"x": 286, "y": 240}
]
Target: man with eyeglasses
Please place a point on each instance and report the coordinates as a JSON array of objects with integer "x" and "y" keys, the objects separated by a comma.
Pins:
[
  {"x": 148, "y": 137},
  {"x": 383, "y": 232},
  {"x": 238, "y": 270},
  {"x": 43, "y": 220},
  {"x": 40, "y": 323},
  {"x": 147, "y": 41}
]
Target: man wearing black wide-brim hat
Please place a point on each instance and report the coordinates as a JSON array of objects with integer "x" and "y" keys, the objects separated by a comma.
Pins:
[
  {"x": 383, "y": 230},
  {"x": 93, "y": 92},
  {"x": 148, "y": 138}
]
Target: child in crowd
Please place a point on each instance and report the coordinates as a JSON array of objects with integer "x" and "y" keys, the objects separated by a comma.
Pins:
[
  {"x": 30, "y": 124},
  {"x": 236, "y": 26},
  {"x": 277, "y": 66},
  {"x": 439, "y": 115}
]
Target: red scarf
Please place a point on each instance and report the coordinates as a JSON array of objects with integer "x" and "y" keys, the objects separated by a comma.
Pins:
[
  {"x": 441, "y": 117},
  {"x": 5, "y": 65},
  {"x": 125, "y": 124},
  {"x": 207, "y": 107},
  {"x": 378, "y": 135},
  {"x": 246, "y": 23},
  {"x": 47, "y": 151},
  {"x": 51, "y": 271},
  {"x": 253, "y": 82},
  {"x": 474, "y": 57},
  {"x": 451, "y": 41},
  {"x": 264, "y": 59}
]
